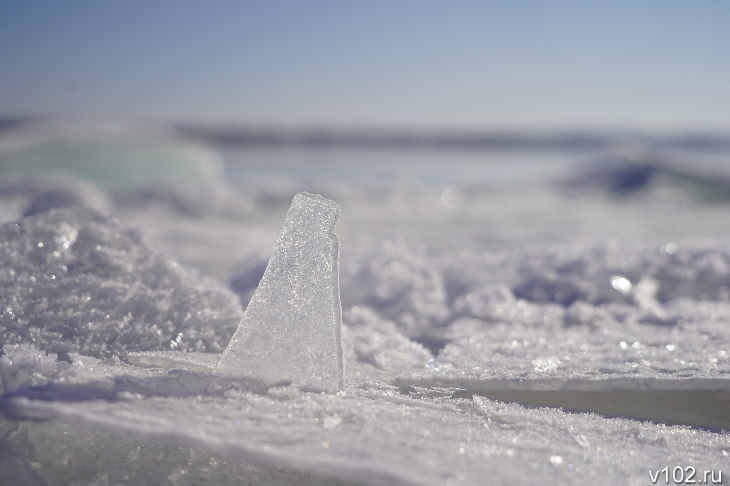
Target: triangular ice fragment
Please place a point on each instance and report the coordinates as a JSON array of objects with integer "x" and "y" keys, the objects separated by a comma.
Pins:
[{"x": 291, "y": 328}]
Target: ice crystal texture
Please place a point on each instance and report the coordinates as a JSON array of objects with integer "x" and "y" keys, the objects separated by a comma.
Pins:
[
  {"x": 76, "y": 280},
  {"x": 290, "y": 331}
]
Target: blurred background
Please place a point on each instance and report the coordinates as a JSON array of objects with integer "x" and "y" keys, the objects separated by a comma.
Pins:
[
  {"x": 456, "y": 124},
  {"x": 653, "y": 67}
]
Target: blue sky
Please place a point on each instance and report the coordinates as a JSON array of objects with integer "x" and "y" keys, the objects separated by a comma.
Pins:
[{"x": 650, "y": 65}]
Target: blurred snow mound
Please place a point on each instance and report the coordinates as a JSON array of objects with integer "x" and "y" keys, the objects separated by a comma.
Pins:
[
  {"x": 374, "y": 348},
  {"x": 594, "y": 284},
  {"x": 197, "y": 200},
  {"x": 75, "y": 280},
  {"x": 564, "y": 282},
  {"x": 402, "y": 284}
]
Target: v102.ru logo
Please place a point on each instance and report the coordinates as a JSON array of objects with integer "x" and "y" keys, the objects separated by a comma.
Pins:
[{"x": 685, "y": 475}]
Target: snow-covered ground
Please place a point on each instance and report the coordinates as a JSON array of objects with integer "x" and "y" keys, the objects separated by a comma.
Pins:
[{"x": 538, "y": 327}]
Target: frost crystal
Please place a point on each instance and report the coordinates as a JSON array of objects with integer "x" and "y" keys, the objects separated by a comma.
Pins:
[
  {"x": 73, "y": 280},
  {"x": 291, "y": 329}
]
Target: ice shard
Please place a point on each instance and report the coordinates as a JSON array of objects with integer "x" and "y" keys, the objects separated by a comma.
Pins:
[{"x": 290, "y": 331}]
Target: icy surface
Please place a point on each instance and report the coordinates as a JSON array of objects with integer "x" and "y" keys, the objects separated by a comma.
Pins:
[
  {"x": 290, "y": 331},
  {"x": 377, "y": 435},
  {"x": 450, "y": 315}
]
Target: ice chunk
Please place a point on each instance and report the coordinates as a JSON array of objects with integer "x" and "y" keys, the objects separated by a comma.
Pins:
[
  {"x": 115, "y": 164},
  {"x": 291, "y": 329}
]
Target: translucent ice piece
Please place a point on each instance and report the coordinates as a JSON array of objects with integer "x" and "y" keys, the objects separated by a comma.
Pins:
[{"x": 291, "y": 328}]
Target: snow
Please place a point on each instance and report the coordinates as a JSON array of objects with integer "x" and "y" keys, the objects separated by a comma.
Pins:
[
  {"x": 377, "y": 435},
  {"x": 76, "y": 280},
  {"x": 536, "y": 334}
]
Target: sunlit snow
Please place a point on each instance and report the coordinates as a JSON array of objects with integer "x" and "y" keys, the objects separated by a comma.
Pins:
[{"x": 543, "y": 332}]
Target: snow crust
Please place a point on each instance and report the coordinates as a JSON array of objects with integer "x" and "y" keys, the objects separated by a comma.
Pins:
[
  {"x": 373, "y": 434},
  {"x": 75, "y": 280}
]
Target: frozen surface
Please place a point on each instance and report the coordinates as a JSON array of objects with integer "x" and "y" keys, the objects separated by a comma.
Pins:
[
  {"x": 291, "y": 328},
  {"x": 476, "y": 338},
  {"x": 372, "y": 434},
  {"x": 75, "y": 280}
]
